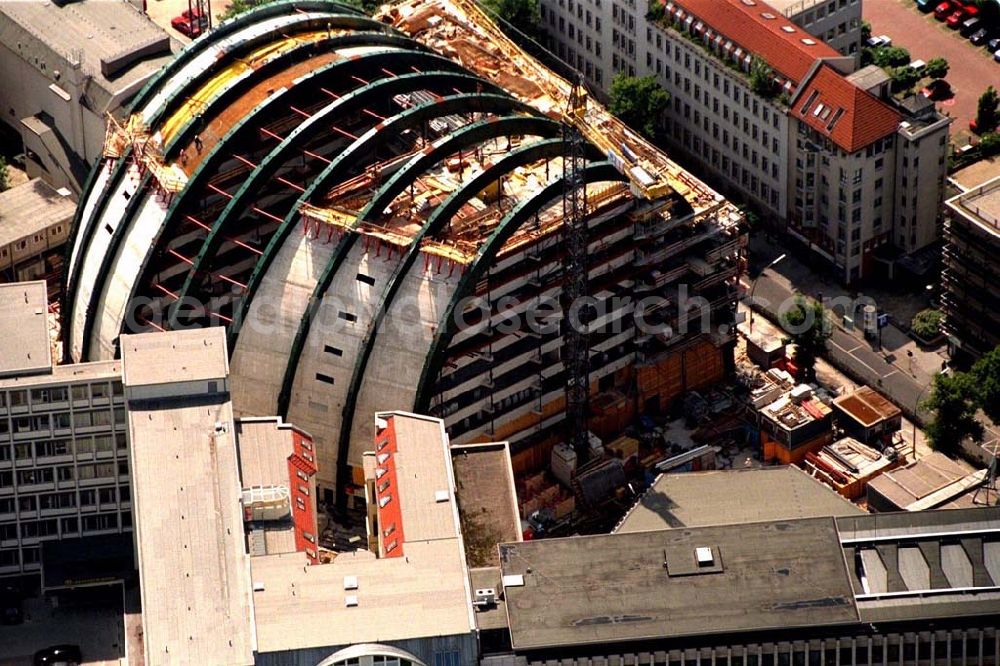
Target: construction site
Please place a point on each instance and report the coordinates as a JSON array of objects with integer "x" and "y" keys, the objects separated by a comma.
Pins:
[{"x": 397, "y": 213}]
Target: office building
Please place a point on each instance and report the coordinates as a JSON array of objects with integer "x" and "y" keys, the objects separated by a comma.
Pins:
[
  {"x": 64, "y": 470},
  {"x": 823, "y": 150},
  {"x": 35, "y": 220},
  {"x": 971, "y": 276}
]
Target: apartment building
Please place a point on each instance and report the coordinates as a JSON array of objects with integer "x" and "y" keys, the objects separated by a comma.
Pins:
[
  {"x": 63, "y": 442},
  {"x": 825, "y": 154}
]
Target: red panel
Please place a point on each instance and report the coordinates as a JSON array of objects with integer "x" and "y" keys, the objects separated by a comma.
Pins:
[
  {"x": 390, "y": 518},
  {"x": 301, "y": 473}
]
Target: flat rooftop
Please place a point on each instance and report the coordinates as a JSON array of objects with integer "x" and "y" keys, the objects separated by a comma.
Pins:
[
  {"x": 721, "y": 497},
  {"x": 32, "y": 207},
  {"x": 181, "y": 356},
  {"x": 188, "y": 522},
  {"x": 646, "y": 585},
  {"x": 980, "y": 205},
  {"x": 24, "y": 328},
  {"x": 92, "y": 33},
  {"x": 67, "y": 374},
  {"x": 867, "y": 406},
  {"x": 934, "y": 481},
  {"x": 487, "y": 500},
  {"x": 429, "y": 587},
  {"x": 265, "y": 445}
]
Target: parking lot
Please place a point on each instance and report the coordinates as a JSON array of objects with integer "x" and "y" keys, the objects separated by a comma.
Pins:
[{"x": 972, "y": 67}]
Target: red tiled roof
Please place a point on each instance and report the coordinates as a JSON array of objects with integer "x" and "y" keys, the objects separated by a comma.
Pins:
[
  {"x": 743, "y": 23},
  {"x": 863, "y": 118}
]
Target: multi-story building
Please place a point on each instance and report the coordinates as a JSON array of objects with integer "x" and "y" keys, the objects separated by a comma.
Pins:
[
  {"x": 35, "y": 220},
  {"x": 63, "y": 439},
  {"x": 824, "y": 152},
  {"x": 971, "y": 276}
]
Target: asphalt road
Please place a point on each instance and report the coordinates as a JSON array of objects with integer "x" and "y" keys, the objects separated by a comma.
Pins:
[{"x": 849, "y": 352}]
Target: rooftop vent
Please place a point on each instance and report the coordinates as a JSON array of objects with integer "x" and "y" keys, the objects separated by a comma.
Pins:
[
  {"x": 350, "y": 582},
  {"x": 441, "y": 495},
  {"x": 351, "y": 601},
  {"x": 486, "y": 596},
  {"x": 513, "y": 580},
  {"x": 258, "y": 586},
  {"x": 768, "y": 15},
  {"x": 808, "y": 42},
  {"x": 703, "y": 555},
  {"x": 788, "y": 28},
  {"x": 749, "y": 3}
]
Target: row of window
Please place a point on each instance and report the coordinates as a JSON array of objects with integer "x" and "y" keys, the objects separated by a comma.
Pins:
[
  {"x": 71, "y": 525},
  {"x": 40, "y": 397},
  {"x": 46, "y": 475},
  {"x": 42, "y": 424},
  {"x": 71, "y": 499},
  {"x": 82, "y": 445}
]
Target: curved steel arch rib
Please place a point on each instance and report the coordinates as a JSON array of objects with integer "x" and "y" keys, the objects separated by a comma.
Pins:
[
  {"x": 269, "y": 166},
  {"x": 444, "y": 106},
  {"x": 204, "y": 169},
  {"x": 87, "y": 228},
  {"x": 441, "y": 216},
  {"x": 594, "y": 173}
]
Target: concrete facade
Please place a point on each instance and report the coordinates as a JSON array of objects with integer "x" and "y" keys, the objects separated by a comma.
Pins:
[{"x": 842, "y": 199}]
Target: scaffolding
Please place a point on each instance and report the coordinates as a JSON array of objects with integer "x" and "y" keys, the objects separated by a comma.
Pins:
[{"x": 146, "y": 152}]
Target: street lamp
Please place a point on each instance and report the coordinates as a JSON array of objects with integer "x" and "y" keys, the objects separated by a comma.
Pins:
[{"x": 754, "y": 286}]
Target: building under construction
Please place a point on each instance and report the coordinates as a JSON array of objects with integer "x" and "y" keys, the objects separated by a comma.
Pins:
[{"x": 374, "y": 209}]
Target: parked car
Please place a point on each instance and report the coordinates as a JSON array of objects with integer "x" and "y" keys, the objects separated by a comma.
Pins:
[
  {"x": 926, "y": 5},
  {"x": 954, "y": 21},
  {"x": 190, "y": 23},
  {"x": 979, "y": 37},
  {"x": 68, "y": 655},
  {"x": 993, "y": 44},
  {"x": 996, "y": 55},
  {"x": 918, "y": 66},
  {"x": 943, "y": 11},
  {"x": 970, "y": 26},
  {"x": 937, "y": 89},
  {"x": 874, "y": 42}
]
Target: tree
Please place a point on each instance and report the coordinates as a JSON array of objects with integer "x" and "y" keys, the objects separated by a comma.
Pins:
[
  {"x": 523, "y": 15},
  {"x": 986, "y": 110},
  {"x": 638, "y": 102},
  {"x": 954, "y": 401},
  {"x": 891, "y": 56},
  {"x": 989, "y": 144},
  {"x": 237, "y": 7},
  {"x": 762, "y": 79},
  {"x": 903, "y": 78},
  {"x": 656, "y": 11},
  {"x": 986, "y": 376},
  {"x": 926, "y": 324},
  {"x": 937, "y": 68},
  {"x": 810, "y": 328},
  {"x": 866, "y": 30},
  {"x": 4, "y": 175}
]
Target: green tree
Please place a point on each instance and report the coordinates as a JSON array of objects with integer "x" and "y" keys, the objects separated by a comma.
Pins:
[
  {"x": 986, "y": 110},
  {"x": 986, "y": 375},
  {"x": 903, "y": 78},
  {"x": 866, "y": 30},
  {"x": 237, "y": 7},
  {"x": 927, "y": 323},
  {"x": 810, "y": 328},
  {"x": 523, "y": 15},
  {"x": 656, "y": 11},
  {"x": 762, "y": 79},
  {"x": 891, "y": 56},
  {"x": 954, "y": 401},
  {"x": 638, "y": 102},
  {"x": 937, "y": 68},
  {"x": 989, "y": 144},
  {"x": 4, "y": 175}
]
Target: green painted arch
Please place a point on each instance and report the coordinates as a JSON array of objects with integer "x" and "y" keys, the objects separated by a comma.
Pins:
[
  {"x": 524, "y": 155},
  {"x": 403, "y": 44},
  {"x": 462, "y": 103},
  {"x": 594, "y": 173},
  {"x": 170, "y": 219},
  {"x": 272, "y": 162},
  {"x": 227, "y": 28},
  {"x": 89, "y": 228}
]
